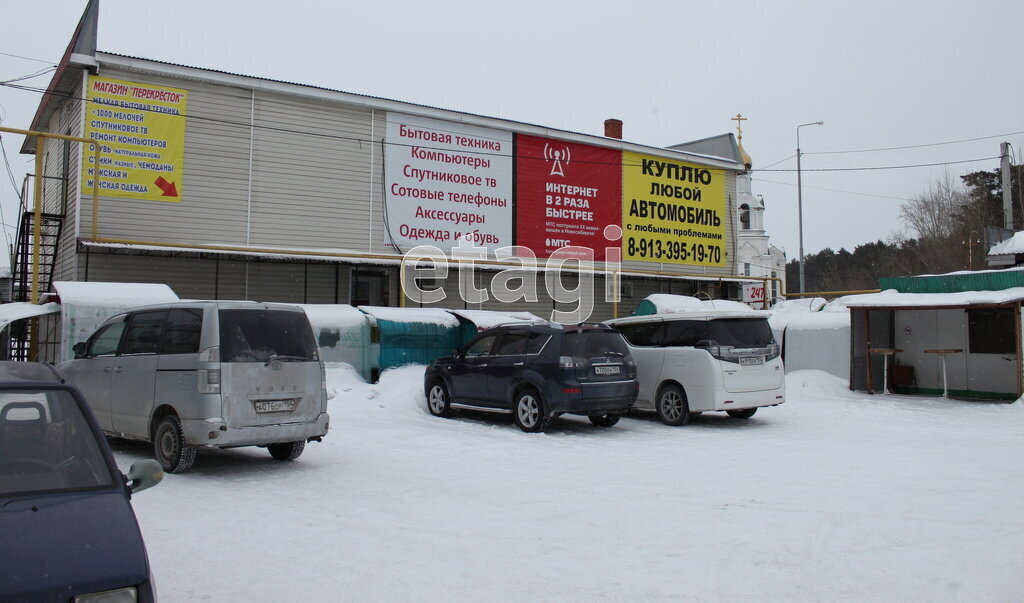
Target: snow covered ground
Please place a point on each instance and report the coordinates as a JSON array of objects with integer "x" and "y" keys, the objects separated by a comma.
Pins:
[{"x": 834, "y": 496}]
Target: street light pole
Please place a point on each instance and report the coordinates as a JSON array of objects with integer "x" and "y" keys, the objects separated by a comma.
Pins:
[{"x": 800, "y": 199}]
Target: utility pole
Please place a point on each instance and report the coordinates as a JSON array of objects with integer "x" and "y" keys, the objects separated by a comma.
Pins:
[{"x": 1004, "y": 170}]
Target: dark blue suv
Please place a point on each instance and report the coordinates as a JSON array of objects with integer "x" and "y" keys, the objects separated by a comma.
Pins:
[
  {"x": 69, "y": 532},
  {"x": 537, "y": 372}
]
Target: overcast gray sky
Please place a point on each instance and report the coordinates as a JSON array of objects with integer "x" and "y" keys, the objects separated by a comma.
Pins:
[{"x": 879, "y": 74}]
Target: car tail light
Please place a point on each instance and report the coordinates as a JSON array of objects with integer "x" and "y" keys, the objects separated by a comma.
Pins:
[
  {"x": 773, "y": 351},
  {"x": 323, "y": 384},
  {"x": 571, "y": 390},
  {"x": 209, "y": 379}
]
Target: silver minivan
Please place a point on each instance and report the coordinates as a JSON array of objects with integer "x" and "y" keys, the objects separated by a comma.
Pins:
[{"x": 209, "y": 373}]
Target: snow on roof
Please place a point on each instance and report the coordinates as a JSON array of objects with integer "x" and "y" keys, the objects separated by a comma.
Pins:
[
  {"x": 807, "y": 304},
  {"x": 435, "y": 316},
  {"x": 1013, "y": 245},
  {"x": 893, "y": 298},
  {"x": 486, "y": 319},
  {"x": 18, "y": 310},
  {"x": 334, "y": 315},
  {"x": 669, "y": 304},
  {"x": 123, "y": 295}
]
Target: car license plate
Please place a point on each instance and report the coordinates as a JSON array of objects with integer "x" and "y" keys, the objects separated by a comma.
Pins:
[
  {"x": 263, "y": 406},
  {"x": 751, "y": 360},
  {"x": 606, "y": 370}
]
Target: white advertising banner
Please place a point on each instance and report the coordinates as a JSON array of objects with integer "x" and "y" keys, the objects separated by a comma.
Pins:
[{"x": 447, "y": 182}]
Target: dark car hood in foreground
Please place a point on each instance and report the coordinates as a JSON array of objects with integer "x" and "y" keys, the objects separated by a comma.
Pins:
[{"x": 87, "y": 539}]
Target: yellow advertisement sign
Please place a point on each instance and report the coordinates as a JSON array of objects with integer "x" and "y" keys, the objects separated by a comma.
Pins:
[
  {"x": 141, "y": 130},
  {"x": 672, "y": 212}
]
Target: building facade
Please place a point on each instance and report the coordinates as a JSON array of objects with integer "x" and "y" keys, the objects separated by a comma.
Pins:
[{"x": 225, "y": 186}]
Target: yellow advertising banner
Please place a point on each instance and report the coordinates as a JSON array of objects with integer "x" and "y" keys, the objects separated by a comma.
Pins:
[
  {"x": 672, "y": 212},
  {"x": 141, "y": 128}
]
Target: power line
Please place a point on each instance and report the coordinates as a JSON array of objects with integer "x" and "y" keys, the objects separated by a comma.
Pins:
[
  {"x": 18, "y": 56},
  {"x": 884, "y": 167},
  {"x": 777, "y": 162},
  {"x": 915, "y": 146},
  {"x": 833, "y": 190},
  {"x": 30, "y": 76}
]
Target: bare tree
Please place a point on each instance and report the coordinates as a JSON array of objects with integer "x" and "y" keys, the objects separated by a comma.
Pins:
[{"x": 942, "y": 218}]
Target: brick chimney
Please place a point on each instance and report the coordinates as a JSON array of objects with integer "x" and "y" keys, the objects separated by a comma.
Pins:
[{"x": 613, "y": 128}]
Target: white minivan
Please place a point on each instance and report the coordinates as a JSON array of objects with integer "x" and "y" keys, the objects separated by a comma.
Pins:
[
  {"x": 207, "y": 373},
  {"x": 701, "y": 361}
]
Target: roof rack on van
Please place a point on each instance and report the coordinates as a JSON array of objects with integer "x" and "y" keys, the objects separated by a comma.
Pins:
[
  {"x": 515, "y": 323},
  {"x": 593, "y": 324}
]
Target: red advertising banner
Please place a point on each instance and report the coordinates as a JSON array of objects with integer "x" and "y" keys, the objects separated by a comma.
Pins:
[{"x": 566, "y": 194}]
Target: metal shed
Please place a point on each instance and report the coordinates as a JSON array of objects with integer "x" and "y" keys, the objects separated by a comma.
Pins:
[{"x": 964, "y": 344}]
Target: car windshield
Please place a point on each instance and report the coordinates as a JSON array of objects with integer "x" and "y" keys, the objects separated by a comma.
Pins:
[
  {"x": 593, "y": 344},
  {"x": 260, "y": 335},
  {"x": 46, "y": 444},
  {"x": 741, "y": 332}
]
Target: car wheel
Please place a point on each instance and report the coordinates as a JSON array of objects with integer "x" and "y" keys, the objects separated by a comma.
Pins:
[
  {"x": 745, "y": 413},
  {"x": 604, "y": 420},
  {"x": 286, "y": 451},
  {"x": 529, "y": 411},
  {"x": 672, "y": 406},
  {"x": 438, "y": 402},
  {"x": 169, "y": 446}
]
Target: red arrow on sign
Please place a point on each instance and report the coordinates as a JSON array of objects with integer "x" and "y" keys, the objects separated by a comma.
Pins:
[{"x": 167, "y": 187}]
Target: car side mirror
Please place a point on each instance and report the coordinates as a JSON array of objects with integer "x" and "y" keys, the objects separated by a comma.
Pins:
[
  {"x": 79, "y": 349},
  {"x": 144, "y": 474}
]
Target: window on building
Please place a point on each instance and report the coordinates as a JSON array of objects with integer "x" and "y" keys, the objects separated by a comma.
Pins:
[
  {"x": 369, "y": 288},
  {"x": 991, "y": 331},
  {"x": 745, "y": 217}
]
